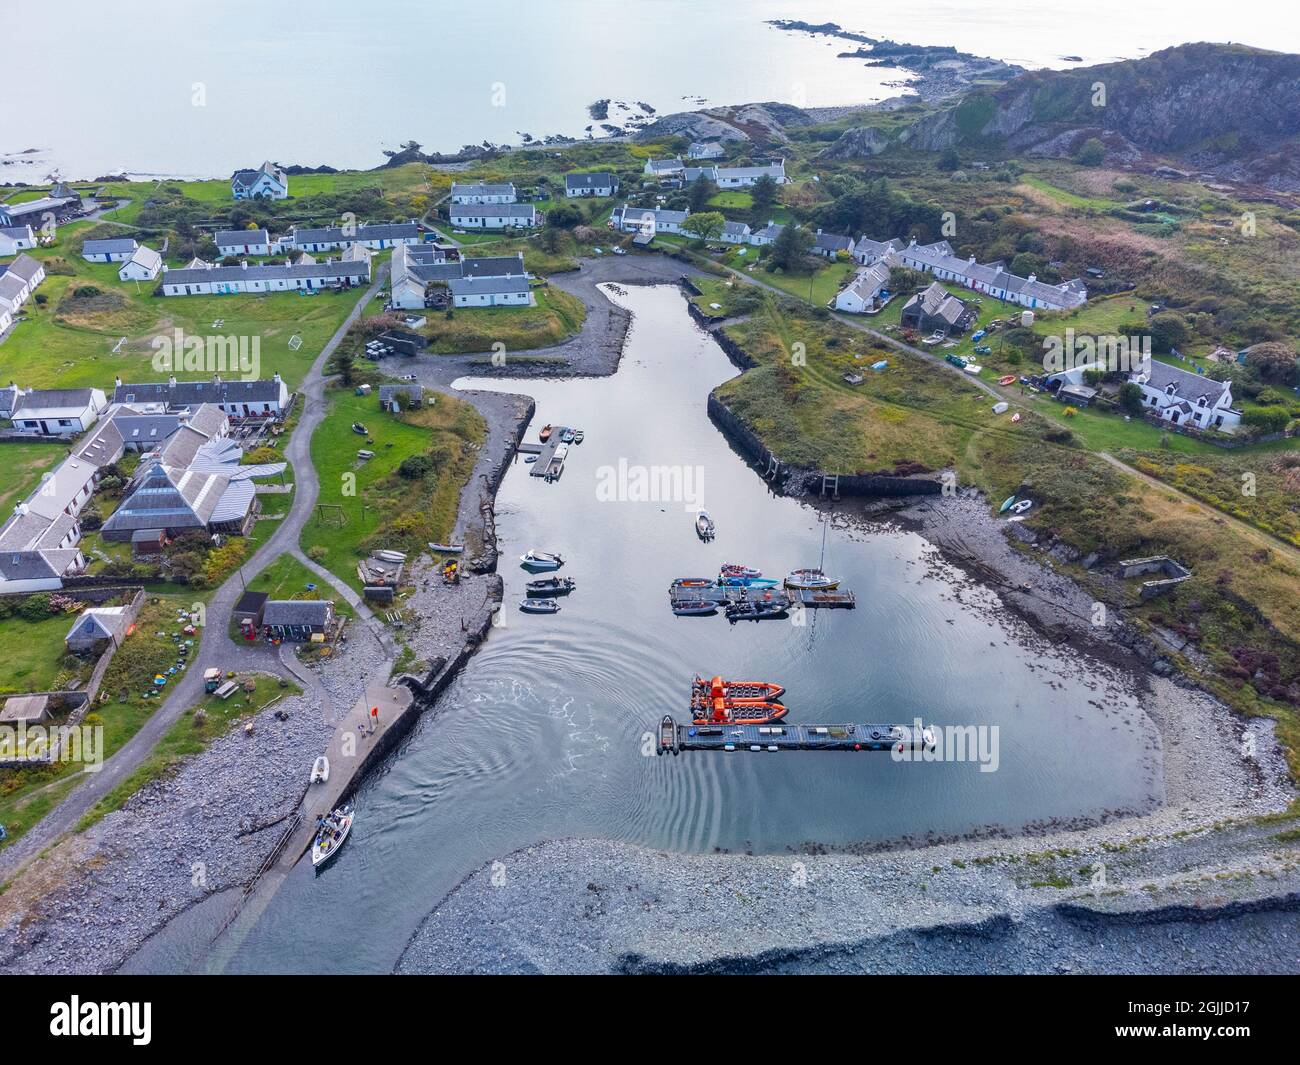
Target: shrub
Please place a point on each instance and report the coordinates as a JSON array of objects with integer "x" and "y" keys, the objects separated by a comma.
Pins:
[{"x": 415, "y": 467}]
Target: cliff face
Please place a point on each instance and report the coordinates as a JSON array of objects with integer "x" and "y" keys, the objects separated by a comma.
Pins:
[{"x": 1224, "y": 108}]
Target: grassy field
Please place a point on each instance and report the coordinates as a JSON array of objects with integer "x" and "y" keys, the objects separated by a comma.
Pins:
[
  {"x": 556, "y": 317},
  {"x": 190, "y": 735},
  {"x": 34, "y": 658},
  {"x": 380, "y": 507},
  {"x": 21, "y": 466},
  {"x": 70, "y": 340}
]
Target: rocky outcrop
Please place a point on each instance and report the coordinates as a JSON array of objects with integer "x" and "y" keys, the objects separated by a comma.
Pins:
[
  {"x": 761, "y": 123},
  {"x": 860, "y": 142}
]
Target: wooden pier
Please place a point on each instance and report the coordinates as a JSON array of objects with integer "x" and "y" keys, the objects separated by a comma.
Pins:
[
  {"x": 674, "y": 738},
  {"x": 548, "y": 465}
]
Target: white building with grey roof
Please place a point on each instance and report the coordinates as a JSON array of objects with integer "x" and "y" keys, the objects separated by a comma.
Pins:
[
  {"x": 211, "y": 280},
  {"x": 51, "y": 411},
  {"x": 377, "y": 236},
  {"x": 1181, "y": 397},
  {"x": 492, "y": 215},
  {"x": 234, "y": 242},
  {"x": 478, "y": 193}
]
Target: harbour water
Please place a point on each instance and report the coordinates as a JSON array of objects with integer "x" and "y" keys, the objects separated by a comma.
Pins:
[{"x": 544, "y": 735}]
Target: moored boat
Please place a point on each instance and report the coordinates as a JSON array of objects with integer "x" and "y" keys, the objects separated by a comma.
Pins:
[
  {"x": 539, "y": 606},
  {"x": 704, "y": 527},
  {"x": 694, "y": 608},
  {"x": 810, "y": 580},
  {"x": 748, "y": 582},
  {"x": 548, "y": 586},
  {"x": 534, "y": 559},
  {"x": 545, "y": 434},
  {"x": 735, "y": 569},
  {"x": 667, "y": 735},
  {"x": 330, "y": 834},
  {"x": 757, "y": 609},
  {"x": 723, "y": 702},
  {"x": 693, "y": 582}
]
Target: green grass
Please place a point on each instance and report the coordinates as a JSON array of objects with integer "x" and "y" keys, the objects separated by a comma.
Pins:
[
  {"x": 34, "y": 655},
  {"x": 21, "y": 466},
  {"x": 381, "y": 508},
  {"x": 556, "y": 317},
  {"x": 68, "y": 342},
  {"x": 190, "y": 735}
]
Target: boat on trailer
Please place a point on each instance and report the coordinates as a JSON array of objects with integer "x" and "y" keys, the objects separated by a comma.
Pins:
[{"x": 330, "y": 835}]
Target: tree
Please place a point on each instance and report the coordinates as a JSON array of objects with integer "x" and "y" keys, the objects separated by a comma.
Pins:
[
  {"x": 1267, "y": 419},
  {"x": 698, "y": 194},
  {"x": 563, "y": 217},
  {"x": 790, "y": 248},
  {"x": 345, "y": 364},
  {"x": 763, "y": 195},
  {"x": 1168, "y": 331},
  {"x": 949, "y": 160},
  {"x": 1273, "y": 362},
  {"x": 1130, "y": 397},
  {"x": 707, "y": 225},
  {"x": 1091, "y": 154}
]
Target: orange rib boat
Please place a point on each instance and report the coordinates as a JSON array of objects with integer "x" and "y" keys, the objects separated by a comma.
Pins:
[{"x": 735, "y": 702}]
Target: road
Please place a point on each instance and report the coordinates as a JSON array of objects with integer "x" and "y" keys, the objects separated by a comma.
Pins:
[{"x": 215, "y": 650}]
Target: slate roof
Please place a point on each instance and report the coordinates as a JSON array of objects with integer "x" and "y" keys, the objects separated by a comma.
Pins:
[
  {"x": 24, "y": 266},
  {"x": 255, "y": 272},
  {"x": 337, "y": 234},
  {"x": 471, "y": 286},
  {"x": 305, "y": 612},
  {"x": 1187, "y": 385},
  {"x": 589, "y": 181},
  {"x": 194, "y": 393},
  {"x": 506, "y": 189},
  {"x": 114, "y": 246},
  {"x": 239, "y": 237},
  {"x": 492, "y": 210}
]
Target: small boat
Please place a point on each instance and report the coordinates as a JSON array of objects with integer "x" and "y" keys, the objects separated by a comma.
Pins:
[
  {"x": 551, "y": 586},
  {"x": 330, "y": 834},
  {"x": 811, "y": 580},
  {"x": 1006, "y": 504},
  {"x": 1009, "y": 379},
  {"x": 360, "y": 429},
  {"x": 539, "y": 606},
  {"x": 545, "y": 434},
  {"x": 566, "y": 436},
  {"x": 735, "y": 569},
  {"x": 1022, "y": 506},
  {"x": 320, "y": 770},
  {"x": 451, "y": 549},
  {"x": 704, "y": 527},
  {"x": 693, "y": 582},
  {"x": 530, "y": 458},
  {"x": 757, "y": 609},
  {"x": 540, "y": 560},
  {"x": 748, "y": 582},
  {"x": 694, "y": 608},
  {"x": 578, "y": 436},
  {"x": 732, "y": 702},
  {"x": 390, "y": 556},
  {"x": 668, "y": 735}
]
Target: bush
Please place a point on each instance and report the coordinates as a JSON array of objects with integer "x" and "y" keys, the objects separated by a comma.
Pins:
[
  {"x": 1267, "y": 419},
  {"x": 317, "y": 553},
  {"x": 415, "y": 467}
]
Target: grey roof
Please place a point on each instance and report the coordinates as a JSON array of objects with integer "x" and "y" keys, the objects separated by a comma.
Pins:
[
  {"x": 736, "y": 229},
  {"x": 311, "y": 612},
  {"x": 24, "y": 266},
  {"x": 832, "y": 242},
  {"x": 492, "y": 266},
  {"x": 77, "y": 399},
  {"x": 1189, "y": 386},
  {"x": 771, "y": 170},
  {"x": 506, "y": 189},
  {"x": 338, "y": 235},
  {"x": 230, "y": 237},
  {"x": 589, "y": 181},
  {"x": 293, "y": 271},
  {"x": 249, "y": 177},
  {"x": 642, "y": 215},
  {"x": 469, "y": 286},
  {"x": 17, "y": 232},
  {"x": 194, "y": 393},
  {"x": 99, "y": 623},
  {"x": 937, "y": 302},
  {"x": 112, "y": 246},
  {"x": 492, "y": 210},
  {"x": 387, "y": 393},
  {"x": 665, "y": 165},
  {"x": 45, "y": 203}
]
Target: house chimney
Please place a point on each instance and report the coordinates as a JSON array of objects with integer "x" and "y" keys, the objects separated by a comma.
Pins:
[
  {"x": 243, "y": 263},
  {"x": 1033, "y": 278},
  {"x": 276, "y": 377},
  {"x": 171, "y": 380},
  {"x": 117, "y": 382},
  {"x": 971, "y": 260}
]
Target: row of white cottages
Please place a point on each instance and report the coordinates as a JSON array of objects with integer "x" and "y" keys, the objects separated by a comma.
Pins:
[
  {"x": 376, "y": 236},
  {"x": 18, "y": 281},
  {"x": 725, "y": 177}
]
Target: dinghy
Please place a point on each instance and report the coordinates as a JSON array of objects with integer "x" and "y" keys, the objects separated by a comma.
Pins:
[
  {"x": 704, "y": 527},
  {"x": 735, "y": 569},
  {"x": 735, "y": 702},
  {"x": 1006, "y": 504},
  {"x": 320, "y": 770},
  {"x": 539, "y": 606},
  {"x": 694, "y": 608}
]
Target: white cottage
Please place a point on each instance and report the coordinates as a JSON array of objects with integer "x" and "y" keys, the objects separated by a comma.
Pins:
[
  {"x": 144, "y": 265},
  {"x": 1184, "y": 398}
]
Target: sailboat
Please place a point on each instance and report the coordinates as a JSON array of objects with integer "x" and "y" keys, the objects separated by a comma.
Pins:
[{"x": 813, "y": 580}]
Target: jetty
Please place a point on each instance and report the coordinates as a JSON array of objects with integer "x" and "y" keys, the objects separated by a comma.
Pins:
[
  {"x": 549, "y": 464},
  {"x": 729, "y": 593},
  {"x": 674, "y": 738}
]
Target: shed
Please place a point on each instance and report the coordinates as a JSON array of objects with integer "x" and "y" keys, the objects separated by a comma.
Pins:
[
  {"x": 148, "y": 541},
  {"x": 96, "y": 627},
  {"x": 20, "y": 709},
  {"x": 297, "y": 619},
  {"x": 249, "y": 608}
]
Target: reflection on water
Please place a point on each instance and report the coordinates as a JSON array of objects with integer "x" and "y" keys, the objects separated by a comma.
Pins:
[{"x": 542, "y": 735}]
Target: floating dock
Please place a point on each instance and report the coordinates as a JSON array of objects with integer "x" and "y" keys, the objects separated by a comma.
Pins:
[
  {"x": 548, "y": 465},
  {"x": 674, "y": 738},
  {"x": 724, "y": 594}
]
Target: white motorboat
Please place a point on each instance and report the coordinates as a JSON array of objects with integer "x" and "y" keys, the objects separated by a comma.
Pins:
[
  {"x": 333, "y": 830},
  {"x": 810, "y": 580},
  {"x": 540, "y": 560},
  {"x": 704, "y": 527}
]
